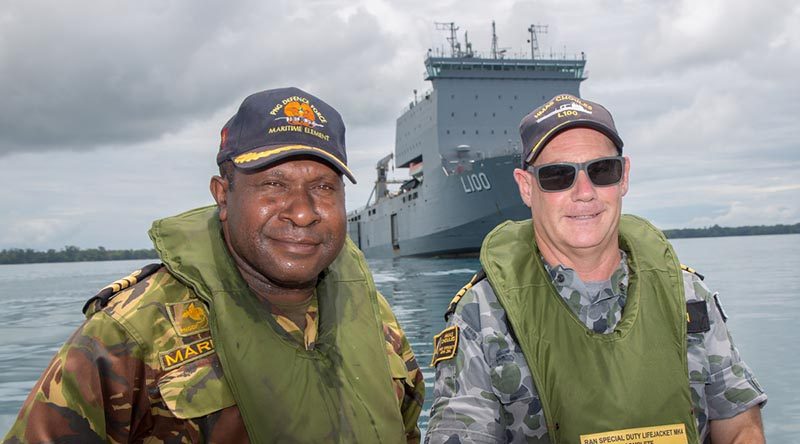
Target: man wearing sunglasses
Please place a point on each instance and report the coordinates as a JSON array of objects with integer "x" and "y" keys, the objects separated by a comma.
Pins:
[{"x": 582, "y": 326}]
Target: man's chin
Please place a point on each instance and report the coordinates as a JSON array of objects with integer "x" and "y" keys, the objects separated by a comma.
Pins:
[{"x": 295, "y": 279}]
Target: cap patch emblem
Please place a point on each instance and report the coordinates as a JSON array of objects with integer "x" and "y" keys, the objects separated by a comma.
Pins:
[
  {"x": 188, "y": 317},
  {"x": 445, "y": 345},
  {"x": 299, "y": 111},
  {"x": 570, "y": 109}
]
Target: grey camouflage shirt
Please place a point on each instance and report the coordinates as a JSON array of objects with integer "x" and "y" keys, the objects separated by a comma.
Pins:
[{"x": 486, "y": 393}]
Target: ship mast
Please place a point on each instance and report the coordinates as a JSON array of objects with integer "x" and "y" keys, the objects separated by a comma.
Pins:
[
  {"x": 496, "y": 53},
  {"x": 455, "y": 46},
  {"x": 533, "y": 29}
]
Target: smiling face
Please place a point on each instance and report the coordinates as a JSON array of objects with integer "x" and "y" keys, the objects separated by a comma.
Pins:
[
  {"x": 582, "y": 220},
  {"x": 283, "y": 224}
]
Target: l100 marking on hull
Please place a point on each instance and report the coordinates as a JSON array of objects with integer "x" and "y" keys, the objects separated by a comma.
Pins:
[{"x": 475, "y": 182}]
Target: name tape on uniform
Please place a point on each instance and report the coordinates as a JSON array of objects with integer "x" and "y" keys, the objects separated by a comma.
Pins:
[{"x": 186, "y": 353}]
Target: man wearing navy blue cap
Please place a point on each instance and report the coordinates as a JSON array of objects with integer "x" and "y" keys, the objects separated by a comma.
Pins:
[
  {"x": 582, "y": 326},
  {"x": 261, "y": 324}
]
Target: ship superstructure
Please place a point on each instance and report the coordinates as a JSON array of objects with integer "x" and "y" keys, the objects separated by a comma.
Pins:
[{"x": 460, "y": 143}]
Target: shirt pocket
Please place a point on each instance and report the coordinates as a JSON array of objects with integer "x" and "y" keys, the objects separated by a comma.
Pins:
[{"x": 196, "y": 389}]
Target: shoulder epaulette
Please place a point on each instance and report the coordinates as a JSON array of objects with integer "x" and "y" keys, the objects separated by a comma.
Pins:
[
  {"x": 479, "y": 276},
  {"x": 101, "y": 299},
  {"x": 693, "y": 271}
]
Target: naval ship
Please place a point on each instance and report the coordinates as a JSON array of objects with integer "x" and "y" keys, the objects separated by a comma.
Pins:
[{"x": 460, "y": 143}]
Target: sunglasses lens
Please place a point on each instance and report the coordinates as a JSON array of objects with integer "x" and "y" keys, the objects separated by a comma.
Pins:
[
  {"x": 605, "y": 171},
  {"x": 556, "y": 177}
]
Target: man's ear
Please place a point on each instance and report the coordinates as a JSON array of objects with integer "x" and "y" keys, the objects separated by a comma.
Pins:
[
  {"x": 523, "y": 179},
  {"x": 626, "y": 176},
  {"x": 219, "y": 191}
]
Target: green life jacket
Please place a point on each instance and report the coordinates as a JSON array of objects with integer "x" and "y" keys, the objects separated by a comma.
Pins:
[
  {"x": 635, "y": 376},
  {"x": 339, "y": 392}
]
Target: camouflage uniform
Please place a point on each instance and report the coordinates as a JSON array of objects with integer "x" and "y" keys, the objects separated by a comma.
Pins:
[
  {"x": 107, "y": 384},
  {"x": 486, "y": 393}
]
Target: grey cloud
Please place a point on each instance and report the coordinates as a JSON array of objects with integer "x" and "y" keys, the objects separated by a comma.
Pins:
[{"x": 98, "y": 72}]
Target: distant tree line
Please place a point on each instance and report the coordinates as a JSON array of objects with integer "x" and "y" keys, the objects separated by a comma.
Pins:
[
  {"x": 717, "y": 231},
  {"x": 72, "y": 254}
]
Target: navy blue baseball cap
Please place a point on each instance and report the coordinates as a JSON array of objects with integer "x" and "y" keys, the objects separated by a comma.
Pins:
[
  {"x": 561, "y": 113},
  {"x": 275, "y": 124}
]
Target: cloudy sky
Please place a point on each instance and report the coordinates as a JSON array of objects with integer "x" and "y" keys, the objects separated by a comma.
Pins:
[{"x": 111, "y": 110}]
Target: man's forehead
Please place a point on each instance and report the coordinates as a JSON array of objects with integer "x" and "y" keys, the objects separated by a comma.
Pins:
[
  {"x": 301, "y": 166},
  {"x": 580, "y": 135},
  {"x": 576, "y": 145}
]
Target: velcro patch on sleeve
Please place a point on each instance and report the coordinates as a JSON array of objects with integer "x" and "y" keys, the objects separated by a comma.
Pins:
[
  {"x": 184, "y": 354},
  {"x": 188, "y": 317},
  {"x": 697, "y": 317},
  {"x": 445, "y": 345}
]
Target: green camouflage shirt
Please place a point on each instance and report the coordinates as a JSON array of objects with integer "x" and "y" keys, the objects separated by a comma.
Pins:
[
  {"x": 108, "y": 385},
  {"x": 486, "y": 393}
]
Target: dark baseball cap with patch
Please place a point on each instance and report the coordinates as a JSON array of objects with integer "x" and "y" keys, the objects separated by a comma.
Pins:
[
  {"x": 561, "y": 113},
  {"x": 275, "y": 124}
]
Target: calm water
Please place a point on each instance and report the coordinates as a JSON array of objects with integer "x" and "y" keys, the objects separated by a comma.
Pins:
[{"x": 757, "y": 277}]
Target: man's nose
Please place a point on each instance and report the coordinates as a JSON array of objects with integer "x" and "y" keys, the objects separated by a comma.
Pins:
[
  {"x": 583, "y": 188},
  {"x": 300, "y": 209}
]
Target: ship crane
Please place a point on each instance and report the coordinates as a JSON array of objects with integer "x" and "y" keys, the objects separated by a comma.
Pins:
[{"x": 381, "y": 189}]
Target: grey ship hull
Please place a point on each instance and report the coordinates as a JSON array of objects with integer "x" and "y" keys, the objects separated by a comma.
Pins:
[{"x": 449, "y": 216}]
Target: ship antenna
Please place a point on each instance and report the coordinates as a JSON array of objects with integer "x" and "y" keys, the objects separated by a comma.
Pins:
[
  {"x": 533, "y": 30},
  {"x": 455, "y": 47},
  {"x": 494, "y": 41},
  {"x": 497, "y": 53}
]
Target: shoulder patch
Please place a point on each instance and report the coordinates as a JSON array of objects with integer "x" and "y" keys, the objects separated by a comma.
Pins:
[
  {"x": 692, "y": 270},
  {"x": 188, "y": 317},
  {"x": 451, "y": 308},
  {"x": 697, "y": 317},
  {"x": 445, "y": 345},
  {"x": 186, "y": 353},
  {"x": 101, "y": 299}
]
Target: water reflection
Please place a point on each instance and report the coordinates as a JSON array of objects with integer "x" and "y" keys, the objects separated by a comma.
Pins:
[{"x": 419, "y": 291}]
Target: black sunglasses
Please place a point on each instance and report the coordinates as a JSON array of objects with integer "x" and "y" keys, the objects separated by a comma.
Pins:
[{"x": 561, "y": 176}]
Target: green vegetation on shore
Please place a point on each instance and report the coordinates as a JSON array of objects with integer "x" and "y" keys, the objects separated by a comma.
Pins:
[
  {"x": 717, "y": 231},
  {"x": 72, "y": 254},
  {"x": 75, "y": 254}
]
